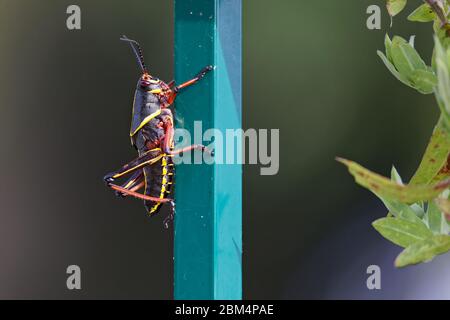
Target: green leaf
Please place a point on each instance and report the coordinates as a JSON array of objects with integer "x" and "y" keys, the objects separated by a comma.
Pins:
[
  {"x": 423, "y": 80},
  {"x": 413, "y": 213},
  {"x": 443, "y": 205},
  {"x": 418, "y": 210},
  {"x": 435, "y": 219},
  {"x": 388, "y": 189},
  {"x": 445, "y": 115},
  {"x": 401, "y": 232},
  {"x": 394, "y": 71},
  {"x": 423, "y": 13},
  {"x": 443, "y": 74},
  {"x": 443, "y": 174},
  {"x": 395, "y": 176},
  {"x": 435, "y": 156},
  {"x": 405, "y": 58},
  {"x": 424, "y": 250},
  {"x": 441, "y": 34},
  {"x": 387, "y": 45},
  {"x": 394, "y": 7}
]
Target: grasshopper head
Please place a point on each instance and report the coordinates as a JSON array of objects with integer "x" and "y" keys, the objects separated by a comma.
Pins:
[{"x": 146, "y": 80}]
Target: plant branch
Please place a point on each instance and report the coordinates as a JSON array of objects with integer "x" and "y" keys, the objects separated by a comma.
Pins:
[{"x": 438, "y": 7}]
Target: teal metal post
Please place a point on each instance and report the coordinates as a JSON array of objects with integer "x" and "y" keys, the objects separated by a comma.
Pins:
[{"x": 208, "y": 220}]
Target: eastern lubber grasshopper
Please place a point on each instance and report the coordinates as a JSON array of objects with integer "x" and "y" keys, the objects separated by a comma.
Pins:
[{"x": 152, "y": 133}]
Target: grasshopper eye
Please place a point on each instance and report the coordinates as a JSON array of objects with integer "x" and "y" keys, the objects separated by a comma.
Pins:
[{"x": 145, "y": 80}]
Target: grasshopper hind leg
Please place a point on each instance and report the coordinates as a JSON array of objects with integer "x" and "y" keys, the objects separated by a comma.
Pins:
[{"x": 134, "y": 183}]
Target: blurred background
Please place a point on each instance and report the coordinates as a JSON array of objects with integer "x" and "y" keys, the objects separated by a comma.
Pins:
[{"x": 310, "y": 69}]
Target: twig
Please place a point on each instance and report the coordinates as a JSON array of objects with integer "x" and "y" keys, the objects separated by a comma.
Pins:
[{"x": 438, "y": 7}]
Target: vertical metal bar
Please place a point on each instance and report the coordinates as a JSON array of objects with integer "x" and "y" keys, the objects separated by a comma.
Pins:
[{"x": 208, "y": 221}]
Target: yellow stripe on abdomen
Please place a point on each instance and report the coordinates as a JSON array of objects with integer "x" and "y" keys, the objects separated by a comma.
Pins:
[{"x": 163, "y": 184}]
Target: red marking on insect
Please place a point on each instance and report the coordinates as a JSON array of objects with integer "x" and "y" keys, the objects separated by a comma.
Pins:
[{"x": 138, "y": 195}]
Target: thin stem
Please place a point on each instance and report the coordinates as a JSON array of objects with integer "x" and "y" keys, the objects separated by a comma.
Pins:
[{"x": 438, "y": 7}]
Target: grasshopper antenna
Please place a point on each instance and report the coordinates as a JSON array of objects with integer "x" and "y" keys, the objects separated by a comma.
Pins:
[{"x": 137, "y": 51}]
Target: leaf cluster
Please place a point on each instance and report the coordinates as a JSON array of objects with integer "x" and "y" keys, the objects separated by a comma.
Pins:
[{"x": 419, "y": 211}]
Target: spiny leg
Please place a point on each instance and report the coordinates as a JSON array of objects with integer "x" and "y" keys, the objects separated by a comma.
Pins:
[
  {"x": 192, "y": 147},
  {"x": 138, "y": 195},
  {"x": 198, "y": 77},
  {"x": 146, "y": 159},
  {"x": 138, "y": 163},
  {"x": 134, "y": 183},
  {"x": 138, "y": 186},
  {"x": 167, "y": 142}
]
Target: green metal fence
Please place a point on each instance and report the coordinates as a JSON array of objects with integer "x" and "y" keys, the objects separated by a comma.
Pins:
[{"x": 208, "y": 222}]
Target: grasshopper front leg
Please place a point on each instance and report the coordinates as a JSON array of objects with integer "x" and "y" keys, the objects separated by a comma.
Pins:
[
  {"x": 192, "y": 81},
  {"x": 167, "y": 143}
]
